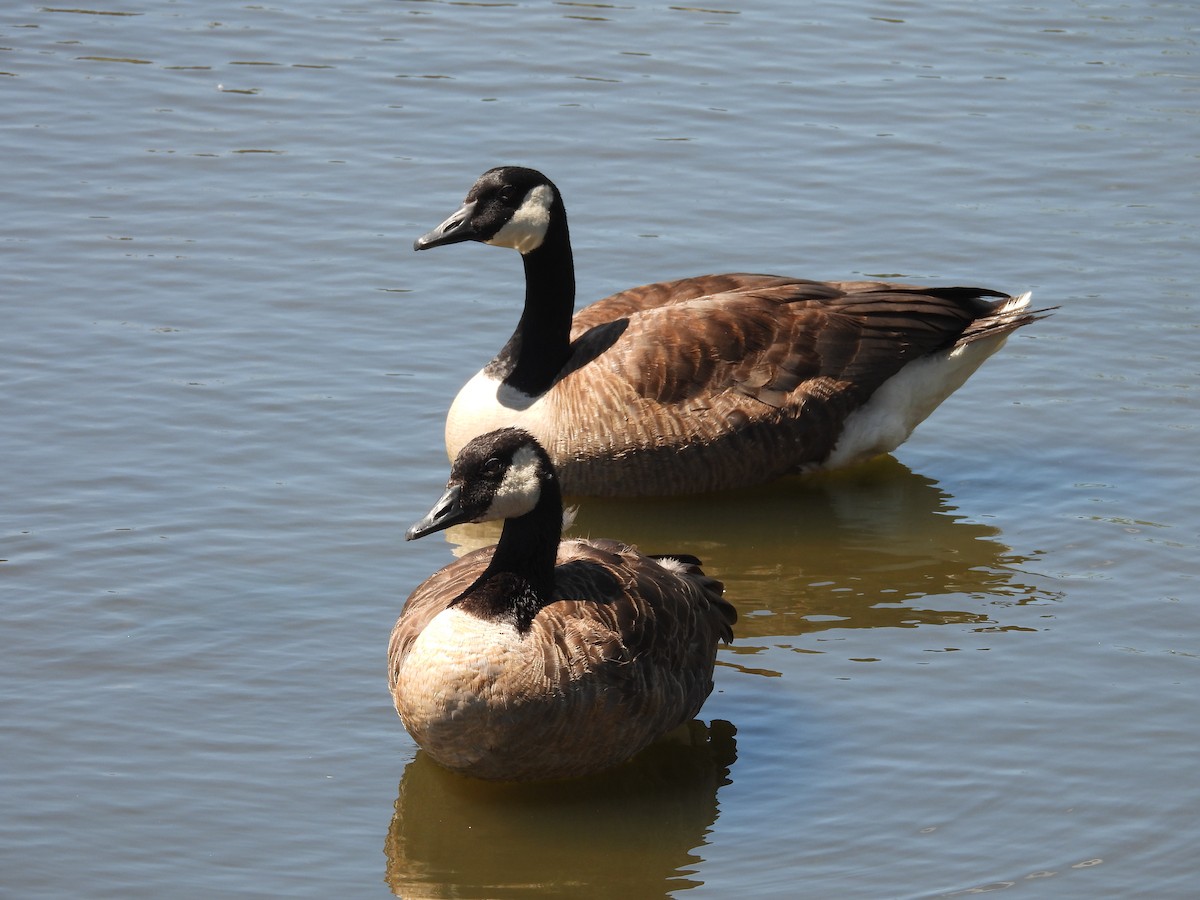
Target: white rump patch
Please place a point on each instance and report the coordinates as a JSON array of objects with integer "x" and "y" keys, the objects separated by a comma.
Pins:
[
  {"x": 902, "y": 402},
  {"x": 520, "y": 490},
  {"x": 526, "y": 230}
]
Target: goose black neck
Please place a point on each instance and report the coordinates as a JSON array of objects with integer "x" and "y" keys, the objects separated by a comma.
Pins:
[
  {"x": 540, "y": 346},
  {"x": 528, "y": 547}
]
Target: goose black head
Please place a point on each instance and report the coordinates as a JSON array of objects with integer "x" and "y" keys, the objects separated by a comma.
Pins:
[
  {"x": 499, "y": 475},
  {"x": 509, "y": 206}
]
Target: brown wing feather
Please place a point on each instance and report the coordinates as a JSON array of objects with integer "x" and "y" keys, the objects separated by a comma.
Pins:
[
  {"x": 767, "y": 367},
  {"x": 770, "y": 339},
  {"x": 666, "y": 293},
  {"x": 642, "y": 636}
]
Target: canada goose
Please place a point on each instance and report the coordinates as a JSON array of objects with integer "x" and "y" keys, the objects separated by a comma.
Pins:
[
  {"x": 712, "y": 382},
  {"x": 546, "y": 658}
]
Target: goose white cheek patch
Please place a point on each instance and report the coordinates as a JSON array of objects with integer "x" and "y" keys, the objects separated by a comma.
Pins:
[
  {"x": 520, "y": 490},
  {"x": 526, "y": 230}
]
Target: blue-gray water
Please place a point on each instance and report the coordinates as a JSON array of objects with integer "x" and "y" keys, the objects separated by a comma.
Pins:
[{"x": 973, "y": 666}]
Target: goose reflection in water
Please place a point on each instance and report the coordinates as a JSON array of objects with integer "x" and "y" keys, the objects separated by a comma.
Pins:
[
  {"x": 453, "y": 836},
  {"x": 875, "y": 546}
]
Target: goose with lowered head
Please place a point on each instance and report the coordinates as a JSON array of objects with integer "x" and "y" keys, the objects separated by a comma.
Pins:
[
  {"x": 712, "y": 382},
  {"x": 540, "y": 657}
]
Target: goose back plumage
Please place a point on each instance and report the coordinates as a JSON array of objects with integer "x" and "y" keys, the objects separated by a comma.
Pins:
[
  {"x": 716, "y": 381},
  {"x": 618, "y": 652}
]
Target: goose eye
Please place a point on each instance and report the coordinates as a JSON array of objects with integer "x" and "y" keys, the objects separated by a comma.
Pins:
[
  {"x": 493, "y": 466},
  {"x": 509, "y": 196}
]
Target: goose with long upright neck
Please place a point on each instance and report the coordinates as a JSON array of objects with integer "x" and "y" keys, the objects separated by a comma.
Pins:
[
  {"x": 712, "y": 382},
  {"x": 540, "y": 657}
]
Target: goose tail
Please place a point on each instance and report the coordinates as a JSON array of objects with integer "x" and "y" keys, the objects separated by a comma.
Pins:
[{"x": 1005, "y": 317}]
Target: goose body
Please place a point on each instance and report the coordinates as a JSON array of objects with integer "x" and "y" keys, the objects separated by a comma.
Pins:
[
  {"x": 712, "y": 382},
  {"x": 544, "y": 658}
]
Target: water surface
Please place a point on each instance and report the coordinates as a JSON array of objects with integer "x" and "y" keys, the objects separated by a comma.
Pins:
[{"x": 971, "y": 666}]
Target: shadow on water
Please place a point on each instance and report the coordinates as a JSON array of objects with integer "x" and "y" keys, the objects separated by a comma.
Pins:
[
  {"x": 453, "y": 836},
  {"x": 875, "y": 546}
]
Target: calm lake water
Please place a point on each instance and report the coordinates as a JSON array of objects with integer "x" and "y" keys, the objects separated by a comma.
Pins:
[{"x": 972, "y": 666}]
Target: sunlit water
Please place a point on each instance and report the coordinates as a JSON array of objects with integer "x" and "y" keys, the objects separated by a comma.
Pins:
[{"x": 973, "y": 666}]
